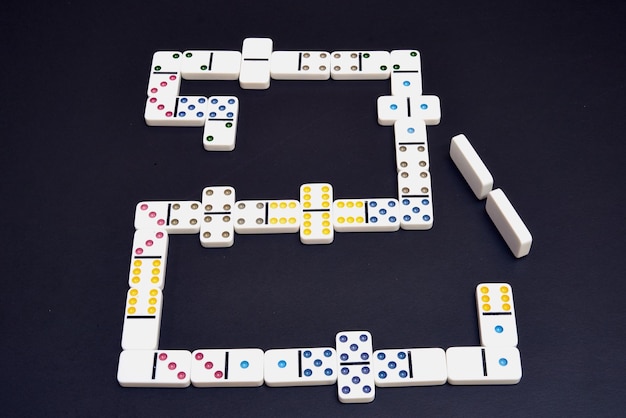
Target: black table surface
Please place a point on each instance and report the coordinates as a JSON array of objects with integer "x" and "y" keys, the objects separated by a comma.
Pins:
[{"x": 538, "y": 88}]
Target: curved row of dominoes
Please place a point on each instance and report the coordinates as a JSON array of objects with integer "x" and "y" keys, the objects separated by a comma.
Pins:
[{"x": 352, "y": 364}]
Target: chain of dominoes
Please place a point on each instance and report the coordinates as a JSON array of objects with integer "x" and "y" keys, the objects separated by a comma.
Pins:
[{"x": 316, "y": 215}]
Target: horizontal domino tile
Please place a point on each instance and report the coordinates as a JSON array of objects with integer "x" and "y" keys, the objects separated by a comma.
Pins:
[{"x": 214, "y": 219}]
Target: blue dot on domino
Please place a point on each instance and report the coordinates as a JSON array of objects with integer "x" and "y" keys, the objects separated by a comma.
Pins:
[
  {"x": 328, "y": 372},
  {"x": 343, "y": 338},
  {"x": 426, "y": 218},
  {"x": 201, "y": 100},
  {"x": 200, "y": 114},
  {"x": 345, "y": 370},
  {"x": 383, "y": 211},
  {"x": 401, "y": 355},
  {"x": 363, "y": 337},
  {"x": 317, "y": 362},
  {"x": 392, "y": 219},
  {"x": 381, "y": 356},
  {"x": 382, "y": 374},
  {"x": 354, "y": 347},
  {"x": 391, "y": 204},
  {"x": 499, "y": 329},
  {"x": 424, "y": 106},
  {"x": 403, "y": 374},
  {"x": 344, "y": 356},
  {"x": 183, "y": 100},
  {"x": 212, "y": 114},
  {"x": 365, "y": 370},
  {"x": 191, "y": 107},
  {"x": 182, "y": 114},
  {"x": 411, "y": 130},
  {"x": 367, "y": 389},
  {"x": 503, "y": 362},
  {"x": 307, "y": 353},
  {"x": 231, "y": 101},
  {"x": 229, "y": 114},
  {"x": 392, "y": 365},
  {"x": 282, "y": 364},
  {"x": 356, "y": 380},
  {"x": 407, "y": 218},
  {"x": 393, "y": 106},
  {"x": 345, "y": 389},
  {"x": 373, "y": 219},
  {"x": 425, "y": 201},
  {"x": 222, "y": 107},
  {"x": 406, "y": 83},
  {"x": 365, "y": 356},
  {"x": 214, "y": 101},
  {"x": 244, "y": 364},
  {"x": 308, "y": 372},
  {"x": 373, "y": 204},
  {"x": 406, "y": 202},
  {"x": 328, "y": 353},
  {"x": 415, "y": 210}
]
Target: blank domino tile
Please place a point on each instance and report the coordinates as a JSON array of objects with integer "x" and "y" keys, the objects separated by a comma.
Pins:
[
  {"x": 175, "y": 217},
  {"x": 220, "y": 128},
  {"x": 317, "y": 223},
  {"x": 359, "y": 65},
  {"x": 255, "y": 63},
  {"x": 471, "y": 166},
  {"x": 411, "y": 145},
  {"x": 496, "y": 315},
  {"x": 300, "y": 366},
  {"x": 165, "y": 74},
  {"x": 267, "y": 216},
  {"x": 300, "y": 65},
  {"x": 142, "y": 318},
  {"x": 483, "y": 365},
  {"x": 508, "y": 222},
  {"x": 415, "y": 198},
  {"x": 410, "y": 367},
  {"x": 393, "y": 108},
  {"x": 149, "y": 368},
  {"x": 175, "y": 111},
  {"x": 210, "y": 65},
  {"x": 355, "y": 380},
  {"x": 366, "y": 215},
  {"x": 406, "y": 73},
  {"x": 241, "y": 367},
  {"x": 216, "y": 229},
  {"x": 148, "y": 259}
]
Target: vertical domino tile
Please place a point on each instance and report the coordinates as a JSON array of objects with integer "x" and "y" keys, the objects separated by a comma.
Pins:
[
  {"x": 149, "y": 368},
  {"x": 142, "y": 319},
  {"x": 164, "y": 74},
  {"x": 355, "y": 381},
  {"x": 508, "y": 222},
  {"x": 220, "y": 128},
  {"x": 415, "y": 199},
  {"x": 411, "y": 145},
  {"x": 316, "y": 226},
  {"x": 471, "y": 166},
  {"x": 300, "y": 367},
  {"x": 241, "y": 367},
  {"x": 148, "y": 259},
  {"x": 406, "y": 73},
  {"x": 496, "y": 315},
  {"x": 217, "y": 229},
  {"x": 255, "y": 63}
]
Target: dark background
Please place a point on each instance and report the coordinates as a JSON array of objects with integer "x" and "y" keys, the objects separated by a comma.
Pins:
[{"x": 538, "y": 88}]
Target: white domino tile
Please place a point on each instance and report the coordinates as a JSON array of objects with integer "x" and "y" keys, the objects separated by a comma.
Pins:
[
  {"x": 366, "y": 215},
  {"x": 256, "y": 55},
  {"x": 216, "y": 228},
  {"x": 175, "y": 110},
  {"x": 317, "y": 223},
  {"x": 393, "y": 108},
  {"x": 496, "y": 315},
  {"x": 267, "y": 216},
  {"x": 359, "y": 65},
  {"x": 164, "y": 78},
  {"x": 411, "y": 145},
  {"x": 150, "y": 368},
  {"x": 148, "y": 258},
  {"x": 300, "y": 65},
  {"x": 242, "y": 367},
  {"x": 483, "y": 365},
  {"x": 415, "y": 200},
  {"x": 508, "y": 222},
  {"x": 410, "y": 367},
  {"x": 471, "y": 166},
  {"x": 355, "y": 380},
  {"x": 220, "y": 128},
  {"x": 142, "y": 318},
  {"x": 406, "y": 73},
  {"x": 210, "y": 65},
  {"x": 176, "y": 217},
  {"x": 300, "y": 366}
]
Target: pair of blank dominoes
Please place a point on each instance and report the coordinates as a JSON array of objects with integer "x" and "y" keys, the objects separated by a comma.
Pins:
[
  {"x": 498, "y": 207},
  {"x": 497, "y": 360}
]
